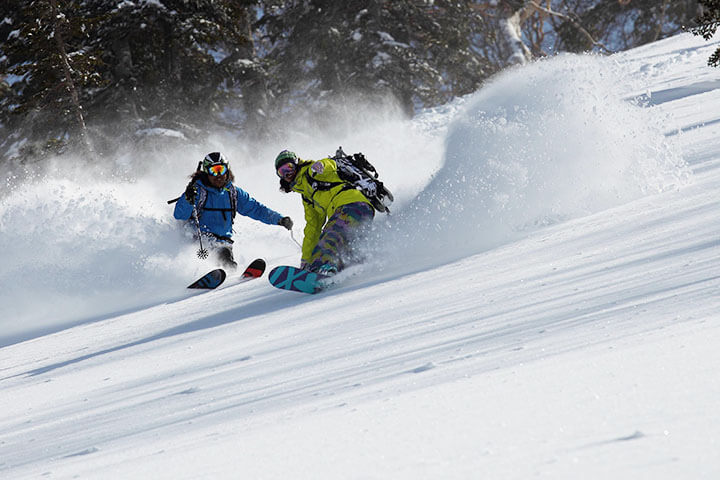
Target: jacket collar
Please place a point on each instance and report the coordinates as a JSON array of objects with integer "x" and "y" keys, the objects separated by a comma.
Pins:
[{"x": 210, "y": 187}]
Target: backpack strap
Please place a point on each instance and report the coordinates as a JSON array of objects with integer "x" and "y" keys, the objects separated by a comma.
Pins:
[
  {"x": 320, "y": 186},
  {"x": 202, "y": 199},
  {"x": 233, "y": 200}
]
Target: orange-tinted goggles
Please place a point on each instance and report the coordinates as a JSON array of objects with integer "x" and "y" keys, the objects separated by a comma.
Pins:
[{"x": 217, "y": 170}]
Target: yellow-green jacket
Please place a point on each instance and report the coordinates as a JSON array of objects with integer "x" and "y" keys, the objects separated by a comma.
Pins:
[{"x": 321, "y": 203}]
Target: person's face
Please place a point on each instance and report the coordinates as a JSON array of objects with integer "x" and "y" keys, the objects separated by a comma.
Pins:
[
  {"x": 287, "y": 171},
  {"x": 218, "y": 175}
]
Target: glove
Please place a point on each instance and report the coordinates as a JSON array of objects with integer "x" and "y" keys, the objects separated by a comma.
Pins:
[
  {"x": 286, "y": 222},
  {"x": 191, "y": 193}
]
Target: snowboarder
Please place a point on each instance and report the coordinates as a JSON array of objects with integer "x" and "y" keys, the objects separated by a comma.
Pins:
[
  {"x": 335, "y": 212},
  {"x": 210, "y": 202}
]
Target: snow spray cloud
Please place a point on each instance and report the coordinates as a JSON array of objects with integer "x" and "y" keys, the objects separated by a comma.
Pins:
[
  {"x": 71, "y": 253},
  {"x": 86, "y": 237},
  {"x": 539, "y": 145},
  {"x": 81, "y": 241}
]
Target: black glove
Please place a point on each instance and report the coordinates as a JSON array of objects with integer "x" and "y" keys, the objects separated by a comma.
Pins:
[
  {"x": 191, "y": 193},
  {"x": 286, "y": 222}
]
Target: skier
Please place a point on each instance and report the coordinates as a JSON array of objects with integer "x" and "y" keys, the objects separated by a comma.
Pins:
[
  {"x": 211, "y": 199},
  {"x": 335, "y": 212}
]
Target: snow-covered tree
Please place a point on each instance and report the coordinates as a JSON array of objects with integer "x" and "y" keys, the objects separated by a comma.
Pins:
[
  {"x": 707, "y": 24},
  {"x": 45, "y": 70},
  {"x": 170, "y": 63},
  {"x": 617, "y": 24},
  {"x": 420, "y": 52},
  {"x": 121, "y": 67},
  {"x": 511, "y": 15}
]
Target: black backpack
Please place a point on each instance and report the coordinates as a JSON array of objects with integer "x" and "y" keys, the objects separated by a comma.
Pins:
[{"x": 356, "y": 170}]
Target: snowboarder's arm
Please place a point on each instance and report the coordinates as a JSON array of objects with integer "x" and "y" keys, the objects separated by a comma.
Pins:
[{"x": 324, "y": 170}]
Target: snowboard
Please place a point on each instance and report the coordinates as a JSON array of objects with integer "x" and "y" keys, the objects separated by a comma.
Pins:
[
  {"x": 296, "y": 279},
  {"x": 215, "y": 278}
]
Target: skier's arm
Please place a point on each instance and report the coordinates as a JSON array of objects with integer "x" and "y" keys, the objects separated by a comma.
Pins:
[
  {"x": 183, "y": 209},
  {"x": 184, "y": 205},
  {"x": 248, "y": 206}
]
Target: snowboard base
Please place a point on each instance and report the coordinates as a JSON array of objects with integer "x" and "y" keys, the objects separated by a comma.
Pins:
[{"x": 296, "y": 279}]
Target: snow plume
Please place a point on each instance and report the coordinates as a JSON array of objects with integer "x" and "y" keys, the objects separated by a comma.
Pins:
[
  {"x": 84, "y": 241},
  {"x": 70, "y": 252},
  {"x": 86, "y": 237},
  {"x": 541, "y": 144}
]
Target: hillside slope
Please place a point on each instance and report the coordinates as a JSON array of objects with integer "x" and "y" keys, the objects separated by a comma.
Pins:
[{"x": 571, "y": 332}]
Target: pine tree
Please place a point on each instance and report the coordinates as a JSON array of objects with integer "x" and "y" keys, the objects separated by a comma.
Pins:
[
  {"x": 48, "y": 72},
  {"x": 172, "y": 63},
  {"x": 707, "y": 24},
  {"x": 417, "y": 51},
  {"x": 614, "y": 25},
  {"x": 123, "y": 68}
]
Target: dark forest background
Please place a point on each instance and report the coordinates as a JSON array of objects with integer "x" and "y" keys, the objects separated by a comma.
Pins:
[{"x": 95, "y": 75}]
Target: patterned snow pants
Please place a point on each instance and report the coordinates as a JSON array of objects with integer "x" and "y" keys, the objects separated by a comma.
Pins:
[{"x": 334, "y": 246}]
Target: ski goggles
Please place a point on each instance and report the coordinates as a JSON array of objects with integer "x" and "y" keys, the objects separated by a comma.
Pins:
[
  {"x": 217, "y": 170},
  {"x": 286, "y": 169}
]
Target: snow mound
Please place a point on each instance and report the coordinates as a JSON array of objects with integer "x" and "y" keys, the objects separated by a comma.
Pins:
[
  {"x": 70, "y": 252},
  {"x": 541, "y": 144}
]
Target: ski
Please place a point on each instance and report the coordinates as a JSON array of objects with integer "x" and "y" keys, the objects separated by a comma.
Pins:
[
  {"x": 210, "y": 280},
  {"x": 215, "y": 278},
  {"x": 254, "y": 270}
]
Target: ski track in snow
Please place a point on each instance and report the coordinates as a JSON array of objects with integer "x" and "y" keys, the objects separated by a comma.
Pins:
[{"x": 570, "y": 335}]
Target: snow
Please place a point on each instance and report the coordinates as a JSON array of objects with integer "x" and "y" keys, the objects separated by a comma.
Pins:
[
  {"x": 546, "y": 304},
  {"x": 161, "y": 132},
  {"x": 515, "y": 176},
  {"x": 380, "y": 58}
]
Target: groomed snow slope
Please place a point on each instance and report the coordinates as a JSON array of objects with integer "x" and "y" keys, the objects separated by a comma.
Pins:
[{"x": 572, "y": 334}]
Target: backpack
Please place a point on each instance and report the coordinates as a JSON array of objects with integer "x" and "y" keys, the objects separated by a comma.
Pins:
[
  {"x": 357, "y": 171},
  {"x": 202, "y": 198}
]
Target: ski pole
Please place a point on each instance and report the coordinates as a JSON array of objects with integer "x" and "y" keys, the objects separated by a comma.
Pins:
[
  {"x": 293, "y": 239},
  {"x": 202, "y": 253}
]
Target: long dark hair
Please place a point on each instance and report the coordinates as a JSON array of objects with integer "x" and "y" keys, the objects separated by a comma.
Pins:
[{"x": 286, "y": 186}]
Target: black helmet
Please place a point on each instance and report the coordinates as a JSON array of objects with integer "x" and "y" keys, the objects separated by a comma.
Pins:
[
  {"x": 213, "y": 158},
  {"x": 286, "y": 156}
]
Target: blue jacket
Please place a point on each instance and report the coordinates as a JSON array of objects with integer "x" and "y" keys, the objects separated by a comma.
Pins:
[{"x": 216, "y": 215}]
